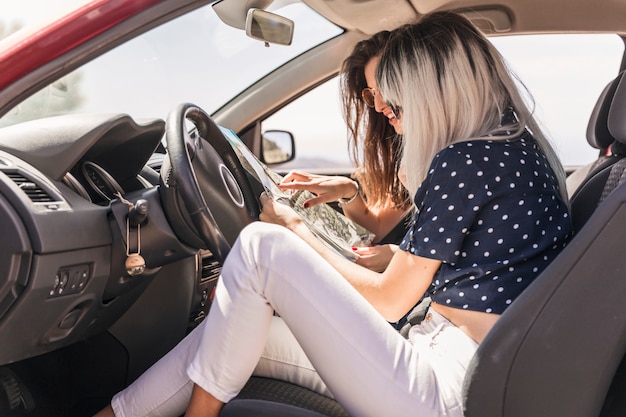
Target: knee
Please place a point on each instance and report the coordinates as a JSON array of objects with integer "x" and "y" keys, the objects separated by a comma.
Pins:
[
  {"x": 259, "y": 247},
  {"x": 260, "y": 233},
  {"x": 259, "y": 239}
]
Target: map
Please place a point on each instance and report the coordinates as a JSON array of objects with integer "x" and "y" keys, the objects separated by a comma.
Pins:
[{"x": 329, "y": 225}]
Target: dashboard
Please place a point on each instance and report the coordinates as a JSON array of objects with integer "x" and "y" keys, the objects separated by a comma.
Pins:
[{"x": 65, "y": 233}]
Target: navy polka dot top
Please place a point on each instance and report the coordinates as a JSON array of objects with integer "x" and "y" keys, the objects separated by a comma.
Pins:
[{"x": 491, "y": 211}]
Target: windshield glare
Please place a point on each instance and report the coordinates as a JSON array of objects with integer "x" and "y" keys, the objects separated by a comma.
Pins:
[{"x": 194, "y": 58}]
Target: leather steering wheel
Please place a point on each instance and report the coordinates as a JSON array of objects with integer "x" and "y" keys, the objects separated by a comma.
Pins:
[{"x": 206, "y": 191}]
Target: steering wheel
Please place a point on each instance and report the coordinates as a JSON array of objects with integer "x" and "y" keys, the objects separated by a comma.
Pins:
[{"x": 206, "y": 193}]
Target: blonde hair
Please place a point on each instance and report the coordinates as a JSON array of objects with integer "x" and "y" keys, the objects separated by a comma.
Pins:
[{"x": 453, "y": 86}]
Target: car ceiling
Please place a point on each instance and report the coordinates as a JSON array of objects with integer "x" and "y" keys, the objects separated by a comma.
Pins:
[
  {"x": 362, "y": 18},
  {"x": 503, "y": 16}
]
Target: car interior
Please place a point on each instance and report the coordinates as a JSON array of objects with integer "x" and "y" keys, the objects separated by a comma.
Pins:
[{"x": 81, "y": 194}]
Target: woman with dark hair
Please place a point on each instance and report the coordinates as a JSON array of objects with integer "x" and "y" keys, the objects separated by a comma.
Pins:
[
  {"x": 491, "y": 214},
  {"x": 375, "y": 198}
]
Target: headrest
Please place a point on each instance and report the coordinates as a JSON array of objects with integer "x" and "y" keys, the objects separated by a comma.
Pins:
[
  {"x": 598, "y": 134},
  {"x": 617, "y": 113}
]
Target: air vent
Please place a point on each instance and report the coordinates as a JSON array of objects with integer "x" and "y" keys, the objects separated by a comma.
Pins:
[
  {"x": 156, "y": 167},
  {"x": 156, "y": 161},
  {"x": 32, "y": 190},
  {"x": 211, "y": 268}
]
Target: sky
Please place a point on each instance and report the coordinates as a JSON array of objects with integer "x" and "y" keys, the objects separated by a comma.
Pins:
[{"x": 34, "y": 11}]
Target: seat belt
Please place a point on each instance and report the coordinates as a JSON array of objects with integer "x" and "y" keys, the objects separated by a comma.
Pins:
[
  {"x": 415, "y": 316},
  {"x": 616, "y": 177}
]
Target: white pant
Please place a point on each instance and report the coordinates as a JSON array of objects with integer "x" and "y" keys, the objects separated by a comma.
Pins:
[{"x": 367, "y": 365}]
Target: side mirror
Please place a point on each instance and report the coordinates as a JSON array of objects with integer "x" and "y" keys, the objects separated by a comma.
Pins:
[
  {"x": 277, "y": 147},
  {"x": 269, "y": 27}
]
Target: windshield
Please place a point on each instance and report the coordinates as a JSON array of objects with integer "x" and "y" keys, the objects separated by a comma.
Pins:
[{"x": 192, "y": 58}]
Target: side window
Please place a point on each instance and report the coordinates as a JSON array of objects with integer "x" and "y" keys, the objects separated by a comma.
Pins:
[
  {"x": 565, "y": 75},
  {"x": 320, "y": 134}
]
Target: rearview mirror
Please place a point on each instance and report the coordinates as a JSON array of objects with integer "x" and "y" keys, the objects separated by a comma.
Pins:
[{"x": 269, "y": 27}]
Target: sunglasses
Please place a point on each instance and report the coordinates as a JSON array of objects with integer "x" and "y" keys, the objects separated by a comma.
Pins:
[{"x": 368, "y": 94}]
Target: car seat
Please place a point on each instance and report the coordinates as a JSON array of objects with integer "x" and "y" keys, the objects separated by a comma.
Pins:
[
  {"x": 266, "y": 397},
  {"x": 559, "y": 349},
  {"x": 586, "y": 192},
  {"x": 598, "y": 136}
]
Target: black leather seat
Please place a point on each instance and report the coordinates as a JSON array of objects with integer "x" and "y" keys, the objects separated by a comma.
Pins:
[
  {"x": 586, "y": 192},
  {"x": 598, "y": 136}
]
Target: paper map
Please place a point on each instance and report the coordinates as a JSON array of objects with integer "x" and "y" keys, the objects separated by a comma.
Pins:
[{"x": 332, "y": 227}]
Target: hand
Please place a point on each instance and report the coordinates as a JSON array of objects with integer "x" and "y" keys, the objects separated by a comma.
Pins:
[
  {"x": 375, "y": 258},
  {"x": 278, "y": 213},
  {"x": 326, "y": 188}
]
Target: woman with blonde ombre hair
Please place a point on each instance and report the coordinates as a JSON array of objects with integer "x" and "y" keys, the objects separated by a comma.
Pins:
[
  {"x": 490, "y": 216},
  {"x": 457, "y": 90}
]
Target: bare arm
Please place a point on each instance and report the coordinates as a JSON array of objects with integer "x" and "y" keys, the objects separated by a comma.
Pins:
[
  {"x": 375, "y": 257},
  {"x": 378, "y": 220},
  {"x": 392, "y": 293}
]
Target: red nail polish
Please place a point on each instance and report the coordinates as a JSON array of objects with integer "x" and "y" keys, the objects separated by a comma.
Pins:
[
  {"x": 354, "y": 248},
  {"x": 305, "y": 205}
]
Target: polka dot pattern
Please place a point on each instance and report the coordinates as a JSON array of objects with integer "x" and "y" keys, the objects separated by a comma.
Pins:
[{"x": 491, "y": 211}]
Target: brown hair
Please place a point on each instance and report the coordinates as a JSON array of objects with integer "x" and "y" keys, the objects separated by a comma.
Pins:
[{"x": 375, "y": 147}]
